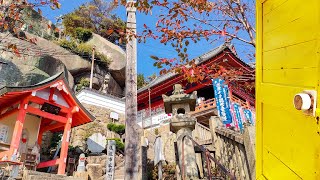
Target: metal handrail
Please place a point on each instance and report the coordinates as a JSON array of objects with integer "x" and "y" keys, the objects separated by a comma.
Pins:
[{"x": 208, "y": 157}]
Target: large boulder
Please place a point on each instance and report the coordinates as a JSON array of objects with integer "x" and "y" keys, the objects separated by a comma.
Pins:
[
  {"x": 42, "y": 60},
  {"x": 115, "y": 53},
  {"x": 45, "y": 58}
]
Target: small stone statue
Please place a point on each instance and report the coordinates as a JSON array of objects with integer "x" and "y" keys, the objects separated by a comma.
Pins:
[
  {"x": 23, "y": 147},
  {"x": 81, "y": 164},
  {"x": 105, "y": 83},
  {"x": 36, "y": 151}
]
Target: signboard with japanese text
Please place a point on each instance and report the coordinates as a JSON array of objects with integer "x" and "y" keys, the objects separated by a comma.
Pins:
[
  {"x": 161, "y": 118},
  {"x": 234, "y": 118},
  {"x": 4, "y": 129},
  {"x": 248, "y": 115},
  {"x": 238, "y": 115},
  {"x": 221, "y": 93},
  {"x": 111, "y": 150}
]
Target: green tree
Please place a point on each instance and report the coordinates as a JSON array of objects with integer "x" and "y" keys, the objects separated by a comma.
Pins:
[
  {"x": 183, "y": 23},
  {"x": 97, "y": 17},
  {"x": 13, "y": 18},
  {"x": 141, "y": 81},
  {"x": 119, "y": 143},
  {"x": 117, "y": 128}
]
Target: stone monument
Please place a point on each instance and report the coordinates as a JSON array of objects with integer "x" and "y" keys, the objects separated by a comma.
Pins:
[
  {"x": 111, "y": 151},
  {"x": 180, "y": 105},
  {"x": 96, "y": 143},
  {"x": 96, "y": 159}
]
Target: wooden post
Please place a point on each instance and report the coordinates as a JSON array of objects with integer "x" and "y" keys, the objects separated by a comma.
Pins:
[
  {"x": 40, "y": 138},
  {"x": 92, "y": 67},
  {"x": 132, "y": 145},
  {"x": 18, "y": 127},
  {"x": 64, "y": 145}
]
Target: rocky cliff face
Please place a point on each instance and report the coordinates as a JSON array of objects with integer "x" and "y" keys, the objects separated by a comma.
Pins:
[
  {"x": 45, "y": 58},
  {"x": 115, "y": 53}
]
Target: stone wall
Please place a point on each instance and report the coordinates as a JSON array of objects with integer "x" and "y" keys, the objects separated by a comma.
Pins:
[
  {"x": 96, "y": 166},
  {"x": 99, "y": 125}
]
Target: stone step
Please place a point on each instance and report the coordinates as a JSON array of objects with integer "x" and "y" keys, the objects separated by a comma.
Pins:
[
  {"x": 119, "y": 173},
  {"x": 119, "y": 177},
  {"x": 34, "y": 175}
]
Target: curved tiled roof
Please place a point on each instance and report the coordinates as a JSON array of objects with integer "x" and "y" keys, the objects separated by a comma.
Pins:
[
  {"x": 198, "y": 60},
  {"x": 11, "y": 94}
]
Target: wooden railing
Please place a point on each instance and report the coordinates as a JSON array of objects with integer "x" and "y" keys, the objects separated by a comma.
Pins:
[
  {"x": 206, "y": 105},
  {"x": 202, "y": 134},
  {"x": 240, "y": 102},
  {"x": 220, "y": 171}
]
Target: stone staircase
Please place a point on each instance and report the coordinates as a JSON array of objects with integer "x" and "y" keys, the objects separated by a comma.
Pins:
[
  {"x": 202, "y": 134},
  {"x": 119, "y": 172},
  {"x": 34, "y": 175}
]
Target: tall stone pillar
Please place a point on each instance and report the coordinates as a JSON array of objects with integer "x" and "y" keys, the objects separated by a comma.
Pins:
[
  {"x": 180, "y": 105},
  {"x": 187, "y": 155}
]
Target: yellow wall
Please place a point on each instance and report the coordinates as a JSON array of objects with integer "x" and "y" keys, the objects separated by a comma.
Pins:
[
  {"x": 288, "y": 141},
  {"x": 32, "y": 124}
]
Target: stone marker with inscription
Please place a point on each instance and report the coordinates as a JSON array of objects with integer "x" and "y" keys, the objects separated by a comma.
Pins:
[{"x": 111, "y": 150}]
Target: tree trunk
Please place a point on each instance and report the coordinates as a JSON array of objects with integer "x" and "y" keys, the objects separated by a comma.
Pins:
[{"x": 132, "y": 139}]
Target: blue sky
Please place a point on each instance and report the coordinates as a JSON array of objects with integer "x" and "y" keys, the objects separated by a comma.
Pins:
[{"x": 151, "y": 47}]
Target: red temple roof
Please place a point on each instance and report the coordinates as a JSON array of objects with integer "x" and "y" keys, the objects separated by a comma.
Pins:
[{"x": 10, "y": 95}]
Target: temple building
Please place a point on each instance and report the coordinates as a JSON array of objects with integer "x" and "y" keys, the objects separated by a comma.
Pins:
[
  {"x": 150, "y": 104},
  {"x": 28, "y": 112}
]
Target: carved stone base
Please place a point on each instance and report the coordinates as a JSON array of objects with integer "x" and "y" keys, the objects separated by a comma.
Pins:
[{"x": 187, "y": 160}]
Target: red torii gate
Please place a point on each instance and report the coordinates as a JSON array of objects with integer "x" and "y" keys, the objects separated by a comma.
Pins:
[{"x": 57, "y": 106}]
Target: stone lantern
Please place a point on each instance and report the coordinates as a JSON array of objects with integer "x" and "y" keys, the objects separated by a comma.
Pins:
[{"x": 180, "y": 105}]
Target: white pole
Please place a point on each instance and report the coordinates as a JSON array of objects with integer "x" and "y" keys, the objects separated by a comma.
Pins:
[
  {"x": 150, "y": 112},
  {"x": 92, "y": 66}
]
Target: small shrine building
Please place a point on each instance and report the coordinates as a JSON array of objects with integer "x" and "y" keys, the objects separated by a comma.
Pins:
[{"x": 47, "y": 106}]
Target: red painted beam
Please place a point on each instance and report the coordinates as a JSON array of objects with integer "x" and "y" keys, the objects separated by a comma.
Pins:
[
  {"x": 13, "y": 103},
  {"x": 38, "y": 112},
  {"x": 67, "y": 98},
  {"x": 51, "y": 95},
  {"x": 65, "y": 145},
  {"x": 48, "y": 163},
  {"x": 45, "y": 122},
  {"x": 41, "y": 101},
  {"x": 51, "y": 127},
  {"x": 17, "y": 131}
]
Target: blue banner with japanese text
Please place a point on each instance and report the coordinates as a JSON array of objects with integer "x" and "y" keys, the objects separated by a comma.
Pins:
[
  {"x": 221, "y": 93},
  {"x": 238, "y": 115},
  {"x": 248, "y": 115}
]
